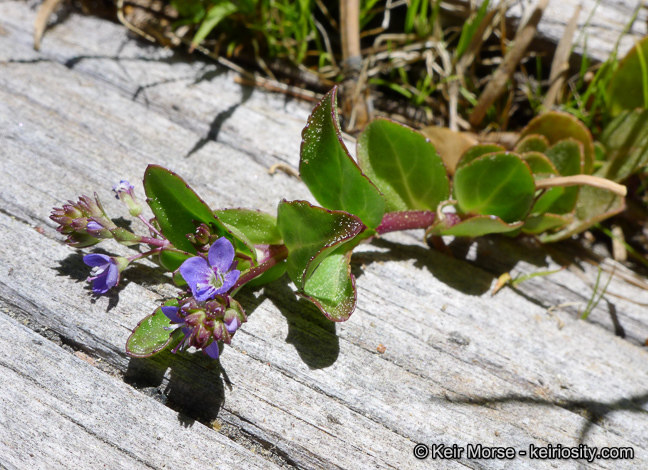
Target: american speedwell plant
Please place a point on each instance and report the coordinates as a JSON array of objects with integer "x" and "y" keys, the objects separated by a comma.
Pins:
[{"x": 543, "y": 188}]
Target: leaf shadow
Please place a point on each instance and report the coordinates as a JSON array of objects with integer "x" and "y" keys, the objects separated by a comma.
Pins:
[{"x": 313, "y": 336}]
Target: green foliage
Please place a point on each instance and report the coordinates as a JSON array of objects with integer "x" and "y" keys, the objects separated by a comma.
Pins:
[
  {"x": 318, "y": 263},
  {"x": 404, "y": 165},
  {"x": 151, "y": 335},
  {"x": 625, "y": 141},
  {"x": 330, "y": 173},
  {"x": 260, "y": 228},
  {"x": 628, "y": 87}
]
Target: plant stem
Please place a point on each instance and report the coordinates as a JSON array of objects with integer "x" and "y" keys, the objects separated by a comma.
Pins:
[
  {"x": 276, "y": 254},
  {"x": 405, "y": 220},
  {"x": 145, "y": 254},
  {"x": 148, "y": 224},
  {"x": 154, "y": 241}
]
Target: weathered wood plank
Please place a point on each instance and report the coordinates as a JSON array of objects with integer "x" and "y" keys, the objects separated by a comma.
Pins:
[
  {"x": 57, "y": 411},
  {"x": 460, "y": 366}
]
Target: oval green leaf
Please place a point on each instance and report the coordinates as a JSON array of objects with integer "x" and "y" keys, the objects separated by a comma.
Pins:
[
  {"x": 259, "y": 227},
  {"x": 176, "y": 207},
  {"x": 532, "y": 143},
  {"x": 330, "y": 173},
  {"x": 477, "y": 151},
  {"x": 556, "y": 126},
  {"x": 151, "y": 335},
  {"x": 404, "y": 165},
  {"x": 629, "y": 84},
  {"x": 499, "y": 184},
  {"x": 171, "y": 259},
  {"x": 332, "y": 287}
]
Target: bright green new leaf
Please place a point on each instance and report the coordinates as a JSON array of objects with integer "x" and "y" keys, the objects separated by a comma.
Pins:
[
  {"x": 150, "y": 336},
  {"x": 404, "y": 165},
  {"x": 214, "y": 16},
  {"x": 260, "y": 228},
  {"x": 532, "y": 143},
  {"x": 567, "y": 157},
  {"x": 628, "y": 87},
  {"x": 330, "y": 173},
  {"x": 499, "y": 184}
]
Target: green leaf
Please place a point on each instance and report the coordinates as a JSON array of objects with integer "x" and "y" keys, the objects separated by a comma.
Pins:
[
  {"x": 171, "y": 258},
  {"x": 330, "y": 173},
  {"x": 332, "y": 287},
  {"x": 532, "y": 143},
  {"x": 593, "y": 205},
  {"x": 469, "y": 29},
  {"x": 556, "y": 126},
  {"x": 628, "y": 87},
  {"x": 404, "y": 165},
  {"x": 176, "y": 207},
  {"x": 478, "y": 151},
  {"x": 542, "y": 168},
  {"x": 150, "y": 336},
  {"x": 626, "y": 142},
  {"x": 499, "y": 184},
  {"x": 541, "y": 223},
  {"x": 476, "y": 226},
  {"x": 567, "y": 157},
  {"x": 310, "y": 234},
  {"x": 214, "y": 16},
  {"x": 260, "y": 228},
  {"x": 270, "y": 275}
]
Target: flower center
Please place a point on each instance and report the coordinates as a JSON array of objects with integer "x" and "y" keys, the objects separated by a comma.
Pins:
[{"x": 216, "y": 279}]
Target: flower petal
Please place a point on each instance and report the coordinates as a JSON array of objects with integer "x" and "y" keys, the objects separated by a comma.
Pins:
[
  {"x": 96, "y": 259},
  {"x": 229, "y": 279},
  {"x": 112, "y": 276},
  {"x": 172, "y": 314},
  {"x": 232, "y": 326},
  {"x": 196, "y": 271},
  {"x": 221, "y": 254},
  {"x": 212, "y": 350},
  {"x": 99, "y": 285}
]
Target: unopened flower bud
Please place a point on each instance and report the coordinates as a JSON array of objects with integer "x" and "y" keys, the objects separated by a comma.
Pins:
[{"x": 124, "y": 192}]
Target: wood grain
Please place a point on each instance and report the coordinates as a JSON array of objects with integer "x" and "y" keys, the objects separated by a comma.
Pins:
[{"x": 294, "y": 391}]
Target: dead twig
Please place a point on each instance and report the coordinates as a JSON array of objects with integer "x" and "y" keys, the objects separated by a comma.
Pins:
[
  {"x": 560, "y": 63},
  {"x": 504, "y": 72},
  {"x": 40, "y": 23}
]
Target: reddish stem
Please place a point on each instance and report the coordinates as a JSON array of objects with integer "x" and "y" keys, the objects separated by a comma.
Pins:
[
  {"x": 405, "y": 220},
  {"x": 276, "y": 254}
]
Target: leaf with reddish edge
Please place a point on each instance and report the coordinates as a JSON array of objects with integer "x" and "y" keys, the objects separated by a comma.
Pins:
[
  {"x": 556, "y": 126},
  {"x": 177, "y": 208},
  {"x": 541, "y": 223},
  {"x": 330, "y": 173},
  {"x": 320, "y": 243},
  {"x": 472, "y": 227},
  {"x": 532, "y": 143},
  {"x": 151, "y": 335}
]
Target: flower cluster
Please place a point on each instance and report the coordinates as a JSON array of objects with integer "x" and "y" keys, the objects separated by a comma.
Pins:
[{"x": 84, "y": 222}]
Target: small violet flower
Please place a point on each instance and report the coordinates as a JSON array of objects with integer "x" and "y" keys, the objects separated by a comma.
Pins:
[
  {"x": 105, "y": 271},
  {"x": 204, "y": 326},
  {"x": 214, "y": 276},
  {"x": 124, "y": 192}
]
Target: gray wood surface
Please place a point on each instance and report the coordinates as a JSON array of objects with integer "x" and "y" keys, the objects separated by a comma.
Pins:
[{"x": 294, "y": 391}]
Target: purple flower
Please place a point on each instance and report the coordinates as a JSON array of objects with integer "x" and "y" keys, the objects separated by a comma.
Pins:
[
  {"x": 124, "y": 192},
  {"x": 214, "y": 276},
  {"x": 204, "y": 325},
  {"x": 105, "y": 271}
]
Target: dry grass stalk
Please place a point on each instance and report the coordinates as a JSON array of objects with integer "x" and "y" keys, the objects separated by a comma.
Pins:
[
  {"x": 497, "y": 84},
  {"x": 560, "y": 63},
  {"x": 40, "y": 23}
]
